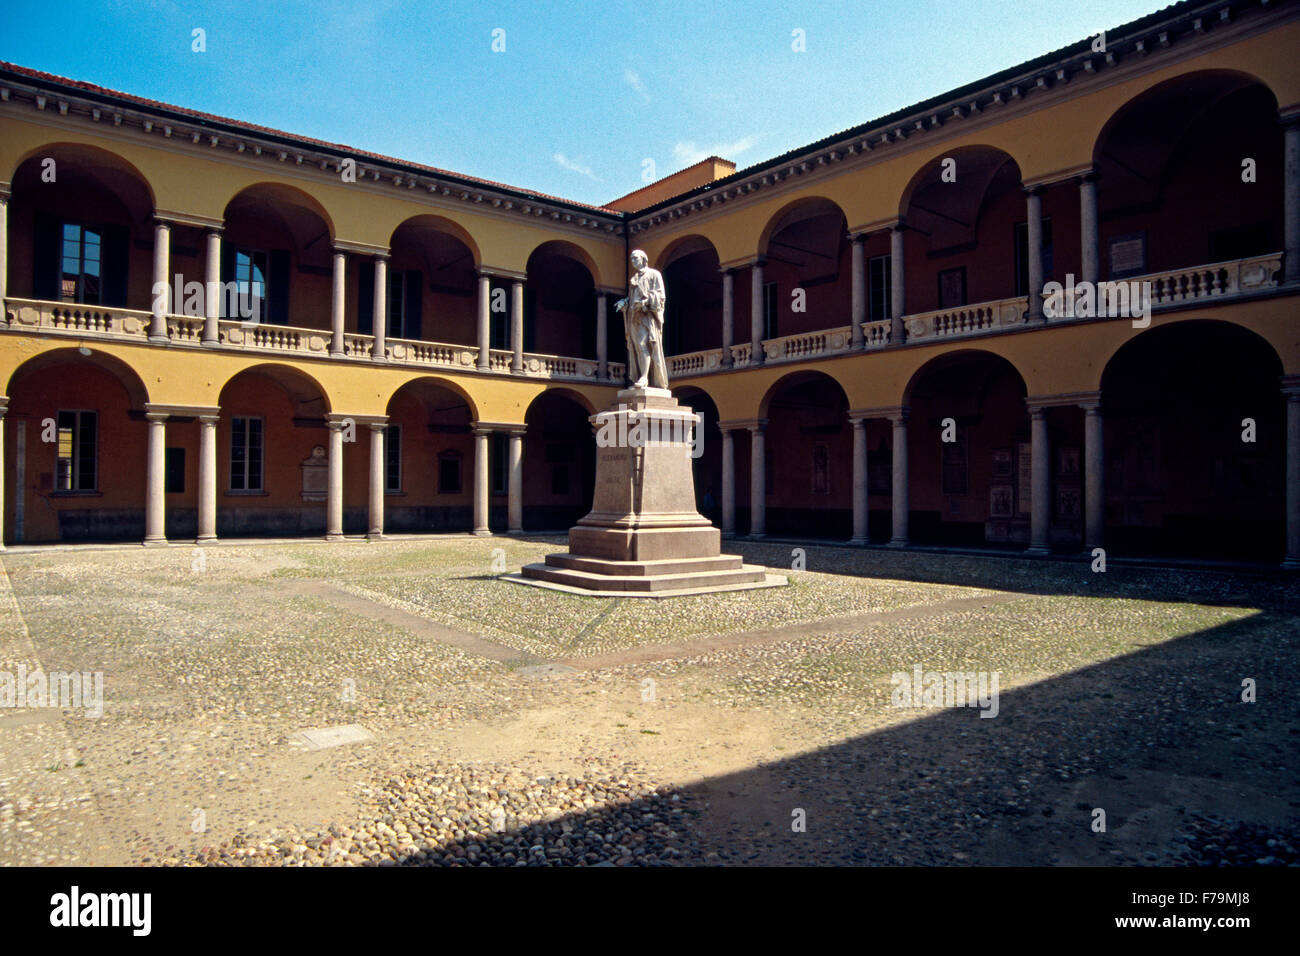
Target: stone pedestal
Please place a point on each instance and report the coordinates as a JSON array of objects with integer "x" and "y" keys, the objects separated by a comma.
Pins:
[{"x": 644, "y": 536}]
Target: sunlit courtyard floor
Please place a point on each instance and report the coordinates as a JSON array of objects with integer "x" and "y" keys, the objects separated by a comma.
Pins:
[{"x": 514, "y": 725}]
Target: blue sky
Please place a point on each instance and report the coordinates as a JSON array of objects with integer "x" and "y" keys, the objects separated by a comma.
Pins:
[{"x": 583, "y": 93}]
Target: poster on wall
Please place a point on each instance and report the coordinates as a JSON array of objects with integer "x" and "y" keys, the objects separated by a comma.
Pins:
[{"x": 1001, "y": 501}]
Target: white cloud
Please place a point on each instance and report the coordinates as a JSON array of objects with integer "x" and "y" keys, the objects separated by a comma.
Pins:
[
  {"x": 575, "y": 167},
  {"x": 634, "y": 81},
  {"x": 686, "y": 153}
]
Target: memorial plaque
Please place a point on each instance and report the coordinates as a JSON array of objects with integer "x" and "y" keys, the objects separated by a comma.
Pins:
[{"x": 316, "y": 476}]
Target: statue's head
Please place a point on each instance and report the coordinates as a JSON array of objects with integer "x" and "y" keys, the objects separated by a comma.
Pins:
[{"x": 639, "y": 259}]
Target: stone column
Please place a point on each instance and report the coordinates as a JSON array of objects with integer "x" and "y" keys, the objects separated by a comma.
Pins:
[
  {"x": 602, "y": 336},
  {"x": 481, "y": 483},
  {"x": 376, "y": 530},
  {"x": 1291, "y": 201},
  {"x": 859, "y": 481},
  {"x": 757, "y": 481},
  {"x": 337, "y": 301},
  {"x": 1291, "y": 389},
  {"x": 4, "y": 259},
  {"x": 4, "y": 407},
  {"x": 1094, "y": 476},
  {"x": 756, "y": 313},
  {"x": 484, "y": 320},
  {"x": 379, "y": 323},
  {"x": 897, "y": 286},
  {"x": 212, "y": 298},
  {"x": 1040, "y": 512},
  {"x": 334, "y": 498},
  {"x": 858, "y": 313},
  {"x": 1089, "y": 238},
  {"x": 517, "y": 326},
  {"x": 207, "y": 532},
  {"x": 899, "y": 491},
  {"x": 161, "y": 267},
  {"x": 155, "y": 501},
  {"x": 728, "y": 315},
  {"x": 728, "y": 482},
  {"x": 515, "y": 475},
  {"x": 1034, "y": 213}
]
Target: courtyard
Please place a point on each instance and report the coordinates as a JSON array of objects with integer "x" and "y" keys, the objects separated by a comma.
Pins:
[{"x": 509, "y": 725}]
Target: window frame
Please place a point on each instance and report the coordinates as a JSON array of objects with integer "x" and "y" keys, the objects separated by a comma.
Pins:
[
  {"x": 235, "y": 421},
  {"x": 79, "y": 296},
  {"x": 75, "y": 460},
  {"x": 393, "y": 449}
]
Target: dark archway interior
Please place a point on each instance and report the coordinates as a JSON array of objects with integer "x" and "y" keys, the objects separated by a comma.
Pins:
[
  {"x": 1180, "y": 479},
  {"x": 559, "y": 463}
]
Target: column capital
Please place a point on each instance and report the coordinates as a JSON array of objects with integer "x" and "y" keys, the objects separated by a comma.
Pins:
[
  {"x": 898, "y": 225},
  {"x": 4, "y": 405},
  {"x": 1033, "y": 190},
  {"x": 1291, "y": 387},
  {"x": 492, "y": 428},
  {"x": 857, "y": 238},
  {"x": 156, "y": 417},
  {"x": 181, "y": 411},
  {"x": 743, "y": 424},
  {"x": 1289, "y": 118},
  {"x": 175, "y": 217},
  {"x": 342, "y": 418},
  {"x": 160, "y": 222},
  {"x": 1063, "y": 398},
  {"x": 5, "y": 192},
  {"x": 209, "y": 420},
  {"x": 493, "y": 272},
  {"x": 886, "y": 411},
  {"x": 384, "y": 256},
  {"x": 378, "y": 426}
]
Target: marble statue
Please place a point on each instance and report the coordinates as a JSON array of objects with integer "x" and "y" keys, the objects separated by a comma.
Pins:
[{"x": 643, "y": 323}]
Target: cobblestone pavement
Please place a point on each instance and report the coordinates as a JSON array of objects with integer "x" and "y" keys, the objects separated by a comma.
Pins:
[{"x": 505, "y": 725}]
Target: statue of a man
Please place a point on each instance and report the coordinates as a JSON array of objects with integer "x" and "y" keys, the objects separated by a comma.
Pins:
[{"x": 643, "y": 321}]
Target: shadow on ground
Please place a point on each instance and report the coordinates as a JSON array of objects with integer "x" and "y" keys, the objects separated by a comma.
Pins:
[{"x": 1160, "y": 739}]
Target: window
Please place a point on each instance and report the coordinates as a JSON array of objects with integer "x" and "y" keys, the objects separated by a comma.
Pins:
[
  {"x": 174, "y": 470},
  {"x": 80, "y": 272},
  {"x": 769, "y": 311},
  {"x": 1022, "y": 255},
  {"x": 246, "y": 454},
  {"x": 78, "y": 434},
  {"x": 879, "y": 288},
  {"x": 449, "y": 473},
  {"x": 250, "y": 279},
  {"x": 393, "y": 459},
  {"x": 499, "y": 324},
  {"x": 499, "y": 447},
  {"x": 396, "y": 305}
]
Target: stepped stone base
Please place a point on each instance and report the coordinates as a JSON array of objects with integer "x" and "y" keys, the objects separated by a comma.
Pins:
[{"x": 644, "y": 536}]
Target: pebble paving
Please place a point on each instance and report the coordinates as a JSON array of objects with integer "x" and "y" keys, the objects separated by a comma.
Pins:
[{"x": 518, "y": 726}]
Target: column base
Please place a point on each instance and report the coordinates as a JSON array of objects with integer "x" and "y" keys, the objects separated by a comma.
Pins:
[
  {"x": 334, "y": 536},
  {"x": 375, "y": 536},
  {"x": 1038, "y": 549},
  {"x": 154, "y": 542},
  {"x": 211, "y": 343},
  {"x": 159, "y": 340},
  {"x": 858, "y": 541},
  {"x": 756, "y": 536},
  {"x": 1292, "y": 563},
  {"x": 897, "y": 543},
  {"x": 483, "y": 532},
  {"x": 206, "y": 540}
]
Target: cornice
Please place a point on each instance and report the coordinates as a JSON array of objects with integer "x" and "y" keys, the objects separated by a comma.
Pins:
[
  {"x": 1182, "y": 36},
  {"x": 68, "y": 110}
]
